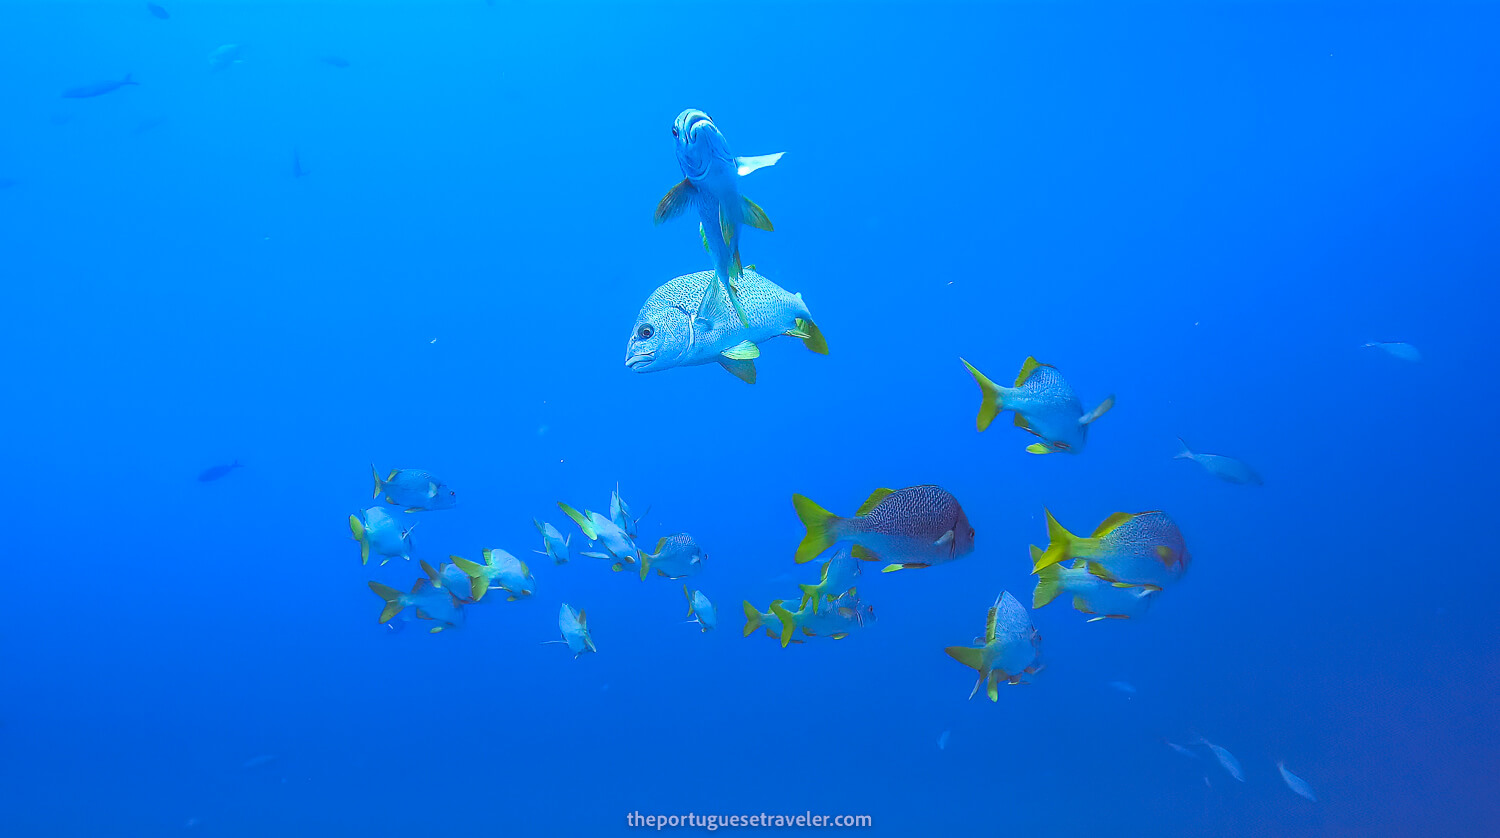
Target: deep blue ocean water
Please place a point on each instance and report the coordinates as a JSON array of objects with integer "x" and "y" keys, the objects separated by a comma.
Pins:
[{"x": 1206, "y": 209}]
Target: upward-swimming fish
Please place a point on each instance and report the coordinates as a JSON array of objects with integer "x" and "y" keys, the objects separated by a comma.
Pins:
[
  {"x": 700, "y": 609},
  {"x": 668, "y": 334},
  {"x": 918, "y": 526},
  {"x": 1225, "y": 468},
  {"x": 618, "y": 546},
  {"x": 1142, "y": 548},
  {"x": 619, "y": 512},
  {"x": 710, "y": 188},
  {"x": 98, "y": 88},
  {"x": 1009, "y": 651},
  {"x": 1045, "y": 405},
  {"x": 555, "y": 547},
  {"x": 574, "y": 626}
]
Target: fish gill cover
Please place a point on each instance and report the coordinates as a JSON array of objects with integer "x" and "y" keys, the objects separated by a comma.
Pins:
[{"x": 251, "y": 249}]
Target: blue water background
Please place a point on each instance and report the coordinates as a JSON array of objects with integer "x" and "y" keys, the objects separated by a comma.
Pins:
[{"x": 1204, "y": 208}]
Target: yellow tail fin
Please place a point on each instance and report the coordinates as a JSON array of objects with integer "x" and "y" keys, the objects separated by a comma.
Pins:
[
  {"x": 580, "y": 519},
  {"x": 787, "y": 621},
  {"x": 358, "y": 529},
  {"x": 810, "y": 593},
  {"x": 1059, "y": 546},
  {"x": 811, "y": 335},
  {"x": 821, "y": 529},
  {"x": 752, "y": 619},
  {"x": 990, "y": 400},
  {"x": 1049, "y": 580},
  {"x": 392, "y": 599},
  {"x": 379, "y": 484}
]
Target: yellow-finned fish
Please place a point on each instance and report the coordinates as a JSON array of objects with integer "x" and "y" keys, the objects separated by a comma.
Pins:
[
  {"x": 918, "y": 526},
  {"x": 710, "y": 189},
  {"x": 1009, "y": 651},
  {"x": 1044, "y": 404},
  {"x": 1130, "y": 548},
  {"x": 1091, "y": 595}
]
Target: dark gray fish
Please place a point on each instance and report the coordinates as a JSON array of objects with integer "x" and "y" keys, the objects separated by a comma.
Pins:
[
  {"x": 1225, "y": 468},
  {"x": 98, "y": 88},
  {"x": 216, "y": 472},
  {"x": 335, "y": 61},
  {"x": 157, "y": 11}
]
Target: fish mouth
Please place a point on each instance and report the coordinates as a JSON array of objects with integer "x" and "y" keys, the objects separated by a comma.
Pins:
[{"x": 640, "y": 361}]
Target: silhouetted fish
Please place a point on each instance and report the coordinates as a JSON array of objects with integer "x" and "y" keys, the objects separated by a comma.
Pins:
[
  {"x": 216, "y": 472},
  {"x": 157, "y": 11},
  {"x": 297, "y": 170},
  {"x": 98, "y": 88},
  {"x": 335, "y": 61}
]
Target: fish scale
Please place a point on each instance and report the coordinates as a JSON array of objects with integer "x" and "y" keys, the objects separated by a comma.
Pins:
[{"x": 914, "y": 511}]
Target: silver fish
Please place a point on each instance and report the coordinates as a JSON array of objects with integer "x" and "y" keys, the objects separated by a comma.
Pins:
[
  {"x": 1404, "y": 351},
  {"x": 668, "y": 334},
  {"x": 1295, "y": 783}
]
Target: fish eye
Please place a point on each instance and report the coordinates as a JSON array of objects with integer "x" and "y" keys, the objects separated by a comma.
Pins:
[
  {"x": 644, "y": 332},
  {"x": 674, "y": 130},
  {"x": 971, "y": 533}
]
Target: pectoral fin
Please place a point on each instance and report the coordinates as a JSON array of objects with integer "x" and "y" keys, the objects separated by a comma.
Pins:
[
  {"x": 945, "y": 538},
  {"x": 755, "y": 216},
  {"x": 677, "y": 199},
  {"x": 746, "y": 165},
  {"x": 1038, "y": 448},
  {"x": 1102, "y": 409},
  {"x": 744, "y": 369},
  {"x": 742, "y": 351}
]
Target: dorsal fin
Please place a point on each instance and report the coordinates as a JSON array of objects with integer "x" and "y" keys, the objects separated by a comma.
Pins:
[
  {"x": 1111, "y": 522},
  {"x": 1027, "y": 368},
  {"x": 873, "y": 501}
]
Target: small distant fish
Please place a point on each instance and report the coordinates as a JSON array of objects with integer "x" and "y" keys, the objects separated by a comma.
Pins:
[
  {"x": 833, "y": 618},
  {"x": 555, "y": 547},
  {"x": 667, "y": 335},
  {"x": 1044, "y": 404},
  {"x": 918, "y": 526},
  {"x": 1225, "y": 468},
  {"x": 677, "y": 556},
  {"x": 298, "y": 171},
  {"x": 943, "y": 740},
  {"x": 8, "y": 182},
  {"x": 377, "y": 532},
  {"x": 1009, "y": 651},
  {"x": 1225, "y": 758},
  {"x": 1404, "y": 351},
  {"x": 215, "y": 472},
  {"x": 157, "y": 11},
  {"x": 1295, "y": 783},
  {"x": 415, "y": 489},
  {"x": 700, "y": 609},
  {"x": 225, "y": 57},
  {"x": 575, "y": 631},
  {"x": 1123, "y": 686},
  {"x": 619, "y": 547},
  {"x": 98, "y": 88},
  {"x": 839, "y": 575},
  {"x": 258, "y": 761},
  {"x": 1184, "y": 751},
  {"x": 335, "y": 61},
  {"x": 500, "y": 570},
  {"x": 710, "y": 189},
  {"x": 1143, "y": 548},
  {"x": 1091, "y": 595}
]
